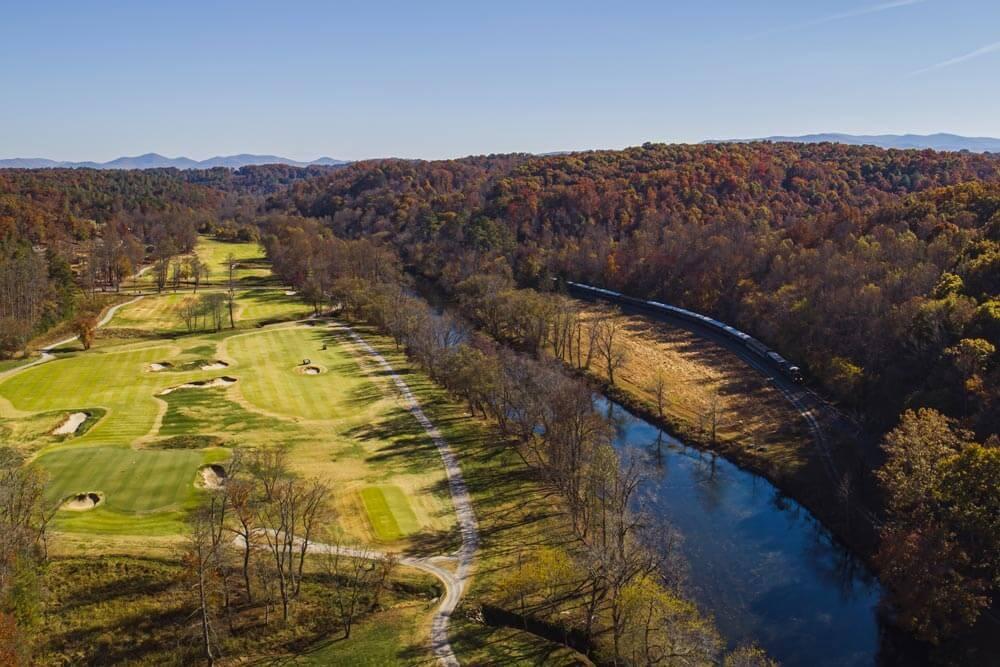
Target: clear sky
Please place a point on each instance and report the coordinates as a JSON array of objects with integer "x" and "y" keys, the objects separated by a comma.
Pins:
[{"x": 96, "y": 80}]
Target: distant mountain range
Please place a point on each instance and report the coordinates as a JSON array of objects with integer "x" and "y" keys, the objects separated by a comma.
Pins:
[
  {"x": 938, "y": 142},
  {"x": 157, "y": 161}
]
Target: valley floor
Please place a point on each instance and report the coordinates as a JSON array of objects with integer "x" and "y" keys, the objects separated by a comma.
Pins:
[{"x": 126, "y": 430}]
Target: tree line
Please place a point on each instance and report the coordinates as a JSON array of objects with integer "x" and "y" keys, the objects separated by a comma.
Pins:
[
  {"x": 832, "y": 254},
  {"x": 613, "y": 585}
]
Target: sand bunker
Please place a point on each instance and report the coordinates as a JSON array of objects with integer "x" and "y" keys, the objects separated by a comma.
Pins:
[
  {"x": 161, "y": 366},
  {"x": 215, "y": 366},
  {"x": 223, "y": 381},
  {"x": 72, "y": 423},
  {"x": 82, "y": 502},
  {"x": 213, "y": 477},
  {"x": 290, "y": 292},
  {"x": 310, "y": 369}
]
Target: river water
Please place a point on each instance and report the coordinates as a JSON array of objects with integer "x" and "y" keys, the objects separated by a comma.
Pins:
[{"x": 756, "y": 560}]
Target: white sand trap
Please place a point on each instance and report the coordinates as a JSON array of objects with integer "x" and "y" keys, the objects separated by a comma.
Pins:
[
  {"x": 162, "y": 366},
  {"x": 213, "y": 477},
  {"x": 224, "y": 381},
  {"x": 215, "y": 366},
  {"x": 72, "y": 423},
  {"x": 310, "y": 369},
  {"x": 82, "y": 502},
  {"x": 290, "y": 292}
]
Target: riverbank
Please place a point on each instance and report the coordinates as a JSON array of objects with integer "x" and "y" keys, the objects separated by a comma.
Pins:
[
  {"x": 755, "y": 427},
  {"x": 716, "y": 401}
]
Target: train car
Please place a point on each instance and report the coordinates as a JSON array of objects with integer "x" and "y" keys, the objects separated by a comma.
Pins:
[
  {"x": 757, "y": 346},
  {"x": 751, "y": 343}
]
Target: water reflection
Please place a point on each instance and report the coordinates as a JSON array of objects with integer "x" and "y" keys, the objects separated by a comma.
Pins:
[{"x": 756, "y": 559}]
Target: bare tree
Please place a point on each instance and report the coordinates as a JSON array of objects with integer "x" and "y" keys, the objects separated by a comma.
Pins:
[
  {"x": 177, "y": 274},
  {"x": 352, "y": 575},
  {"x": 212, "y": 305},
  {"x": 608, "y": 342},
  {"x": 242, "y": 494},
  {"x": 190, "y": 310},
  {"x": 23, "y": 546},
  {"x": 161, "y": 271},
  {"x": 310, "y": 505},
  {"x": 287, "y": 518},
  {"x": 201, "y": 561},
  {"x": 199, "y": 271},
  {"x": 710, "y": 420},
  {"x": 658, "y": 388},
  {"x": 231, "y": 265}
]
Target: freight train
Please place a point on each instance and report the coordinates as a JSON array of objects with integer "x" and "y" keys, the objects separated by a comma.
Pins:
[{"x": 755, "y": 346}]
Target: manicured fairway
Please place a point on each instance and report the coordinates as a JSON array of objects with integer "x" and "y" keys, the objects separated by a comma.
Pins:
[
  {"x": 155, "y": 313},
  {"x": 145, "y": 491},
  {"x": 341, "y": 422},
  {"x": 274, "y": 382},
  {"x": 214, "y": 254},
  {"x": 389, "y": 512},
  {"x": 269, "y": 305},
  {"x": 114, "y": 379},
  {"x": 162, "y": 313}
]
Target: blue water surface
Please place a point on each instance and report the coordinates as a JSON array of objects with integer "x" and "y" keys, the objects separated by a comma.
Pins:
[{"x": 755, "y": 559}]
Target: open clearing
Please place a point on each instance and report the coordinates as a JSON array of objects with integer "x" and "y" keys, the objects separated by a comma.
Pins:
[
  {"x": 162, "y": 313},
  {"x": 704, "y": 381}
]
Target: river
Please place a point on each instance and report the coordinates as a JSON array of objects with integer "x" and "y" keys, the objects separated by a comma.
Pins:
[{"x": 756, "y": 560}]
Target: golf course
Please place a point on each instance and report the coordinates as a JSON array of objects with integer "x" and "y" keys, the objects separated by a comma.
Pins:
[
  {"x": 157, "y": 403},
  {"x": 135, "y": 435}
]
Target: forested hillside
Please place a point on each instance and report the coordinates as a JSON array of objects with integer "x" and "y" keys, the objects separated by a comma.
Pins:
[
  {"x": 63, "y": 229},
  {"x": 872, "y": 268}
]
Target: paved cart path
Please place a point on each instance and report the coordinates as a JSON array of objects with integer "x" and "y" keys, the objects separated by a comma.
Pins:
[{"x": 454, "y": 583}]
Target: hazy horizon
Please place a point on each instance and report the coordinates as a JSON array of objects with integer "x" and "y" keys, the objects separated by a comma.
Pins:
[{"x": 101, "y": 81}]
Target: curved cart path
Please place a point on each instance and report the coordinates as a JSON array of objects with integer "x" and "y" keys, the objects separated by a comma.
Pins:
[
  {"x": 454, "y": 583},
  {"x": 47, "y": 350}
]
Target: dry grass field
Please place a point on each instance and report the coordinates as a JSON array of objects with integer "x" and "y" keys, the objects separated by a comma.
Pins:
[{"x": 704, "y": 382}]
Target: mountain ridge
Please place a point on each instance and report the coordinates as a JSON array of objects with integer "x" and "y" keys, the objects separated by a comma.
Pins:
[
  {"x": 157, "y": 161},
  {"x": 940, "y": 141}
]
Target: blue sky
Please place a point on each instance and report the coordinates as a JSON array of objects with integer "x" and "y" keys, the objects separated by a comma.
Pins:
[{"x": 95, "y": 80}]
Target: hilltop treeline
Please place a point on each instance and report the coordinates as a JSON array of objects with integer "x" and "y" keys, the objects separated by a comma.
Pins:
[
  {"x": 879, "y": 270},
  {"x": 66, "y": 228},
  {"x": 63, "y": 228},
  {"x": 869, "y": 267}
]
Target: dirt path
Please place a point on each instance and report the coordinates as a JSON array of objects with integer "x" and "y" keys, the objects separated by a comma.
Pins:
[{"x": 454, "y": 583}]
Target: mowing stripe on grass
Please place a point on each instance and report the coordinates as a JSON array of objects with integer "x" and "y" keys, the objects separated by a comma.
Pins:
[
  {"x": 389, "y": 512},
  {"x": 133, "y": 481}
]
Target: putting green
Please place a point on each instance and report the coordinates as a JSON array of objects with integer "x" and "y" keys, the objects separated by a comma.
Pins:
[
  {"x": 389, "y": 512},
  {"x": 156, "y": 483},
  {"x": 272, "y": 380}
]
